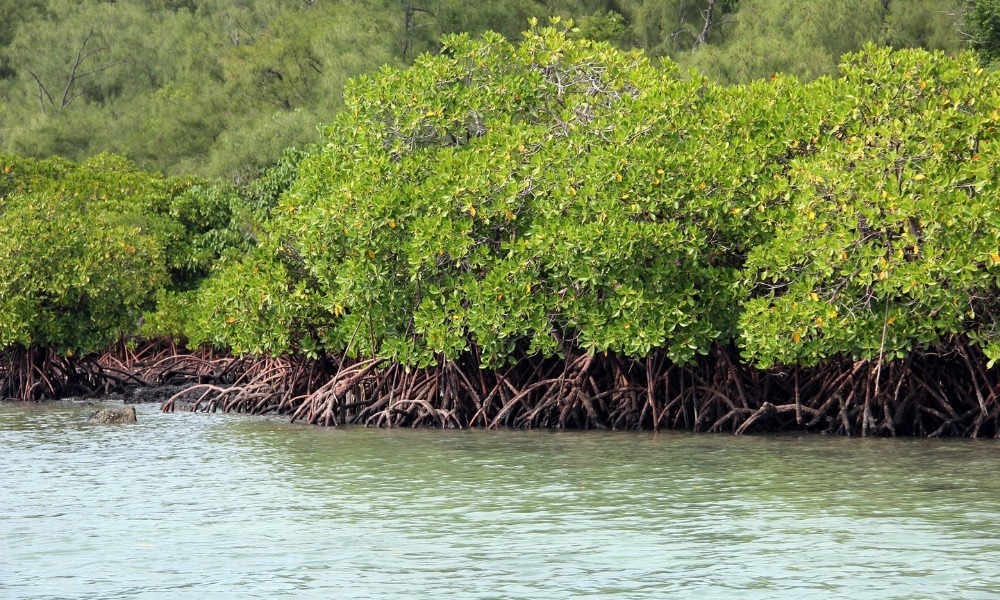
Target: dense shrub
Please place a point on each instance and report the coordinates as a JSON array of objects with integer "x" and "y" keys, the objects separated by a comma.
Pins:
[
  {"x": 499, "y": 200},
  {"x": 560, "y": 193},
  {"x": 86, "y": 248}
]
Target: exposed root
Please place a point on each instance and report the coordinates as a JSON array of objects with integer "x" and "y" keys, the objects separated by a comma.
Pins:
[{"x": 947, "y": 392}]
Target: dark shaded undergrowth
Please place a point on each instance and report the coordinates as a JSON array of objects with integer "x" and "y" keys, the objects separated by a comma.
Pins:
[{"x": 945, "y": 392}]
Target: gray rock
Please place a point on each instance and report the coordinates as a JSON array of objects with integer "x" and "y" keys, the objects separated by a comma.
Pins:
[{"x": 125, "y": 414}]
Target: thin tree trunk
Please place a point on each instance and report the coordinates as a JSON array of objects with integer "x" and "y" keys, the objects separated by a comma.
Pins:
[{"x": 709, "y": 21}]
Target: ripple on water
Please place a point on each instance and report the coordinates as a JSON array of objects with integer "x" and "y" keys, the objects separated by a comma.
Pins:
[{"x": 220, "y": 506}]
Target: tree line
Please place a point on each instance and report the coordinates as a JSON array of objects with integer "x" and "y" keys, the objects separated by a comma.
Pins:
[{"x": 220, "y": 89}]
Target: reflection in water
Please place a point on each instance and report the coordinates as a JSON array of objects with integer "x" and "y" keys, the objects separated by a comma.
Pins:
[{"x": 216, "y": 506}]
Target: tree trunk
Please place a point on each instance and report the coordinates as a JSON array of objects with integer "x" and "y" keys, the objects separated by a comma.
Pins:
[{"x": 709, "y": 21}]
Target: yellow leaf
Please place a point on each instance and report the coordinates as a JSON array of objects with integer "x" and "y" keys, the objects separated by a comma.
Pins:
[
  {"x": 814, "y": 296},
  {"x": 819, "y": 321},
  {"x": 702, "y": 185},
  {"x": 995, "y": 257},
  {"x": 572, "y": 191},
  {"x": 371, "y": 254},
  {"x": 882, "y": 275},
  {"x": 392, "y": 223},
  {"x": 892, "y": 320},
  {"x": 472, "y": 211},
  {"x": 658, "y": 171},
  {"x": 843, "y": 255},
  {"x": 656, "y": 182},
  {"x": 231, "y": 320},
  {"x": 618, "y": 176},
  {"x": 812, "y": 215},
  {"x": 796, "y": 337},
  {"x": 520, "y": 148},
  {"x": 919, "y": 177},
  {"x": 527, "y": 288}
]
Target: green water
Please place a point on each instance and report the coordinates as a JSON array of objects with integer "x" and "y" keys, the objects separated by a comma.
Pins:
[{"x": 220, "y": 506}]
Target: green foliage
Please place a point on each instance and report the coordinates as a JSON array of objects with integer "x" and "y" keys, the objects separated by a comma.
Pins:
[
  {"x": 256, "y": 305},
  {"x": 982, "y": 22},
  {"x": 209, "y": 87},
  {"x": 891, "y": 228},
  {"x": 805, "y": 39},
  {"x": 927, "y": 24},
  {"x": 447, "y": 207},
  {"x": 528, "y": 198},
  {"x": 80, "y": 257},
  {"x": 216, "y": 88},
  {"x": 87, "y": 248},
  {"x": 523, "y": 198},
  {"x": 501, "y": 198},
  {"x": 262, "y": 193}
]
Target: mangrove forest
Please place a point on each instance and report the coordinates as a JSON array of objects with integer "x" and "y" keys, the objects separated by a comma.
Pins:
[{"x": 545, "y": 231}]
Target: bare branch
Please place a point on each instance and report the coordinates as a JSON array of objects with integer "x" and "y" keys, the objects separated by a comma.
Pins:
[
  {"x": 709, "y": 22},
  {"x": 76, "y": 65},
  {"x": 70, "y": 90},
  {"x": 43, "y": 93}
]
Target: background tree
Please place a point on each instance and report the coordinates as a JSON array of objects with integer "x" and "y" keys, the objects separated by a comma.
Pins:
[
  {"x": 217, "y": 88},
  {"x": 982, "y": 25}
]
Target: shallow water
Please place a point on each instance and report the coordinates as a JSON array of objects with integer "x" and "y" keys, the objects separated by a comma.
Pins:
[{"x": 222, "y": 506}]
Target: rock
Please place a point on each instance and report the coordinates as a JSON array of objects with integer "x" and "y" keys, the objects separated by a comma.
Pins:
[
  {"x": 144, "y": 395},
  {"x": 126, "y": 414}
]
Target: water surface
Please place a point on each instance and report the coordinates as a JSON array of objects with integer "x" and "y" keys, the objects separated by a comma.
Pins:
[{"x": 221, "y": 506}]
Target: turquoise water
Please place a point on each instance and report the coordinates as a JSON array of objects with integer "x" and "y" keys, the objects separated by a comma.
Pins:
[{"x": 221, "y": 506}]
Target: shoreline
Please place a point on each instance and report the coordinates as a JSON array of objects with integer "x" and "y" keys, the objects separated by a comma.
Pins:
[{"x": 929, "y": 394}]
